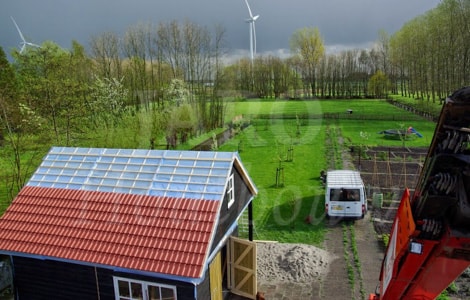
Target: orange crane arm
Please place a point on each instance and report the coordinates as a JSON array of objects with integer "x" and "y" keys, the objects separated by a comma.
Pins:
[{"x": 429, "y": 246}]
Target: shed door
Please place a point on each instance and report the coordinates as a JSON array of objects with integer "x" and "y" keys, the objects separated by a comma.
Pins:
[
  {"x": 215, "y": 270},
  {"x": 243, "y": 267}
]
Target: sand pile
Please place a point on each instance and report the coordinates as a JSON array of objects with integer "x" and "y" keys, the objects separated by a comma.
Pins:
[{"x": 291, "y": 262}]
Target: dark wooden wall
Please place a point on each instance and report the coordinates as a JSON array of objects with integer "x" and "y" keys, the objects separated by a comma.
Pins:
[
  {"x": 36, "y": 279},
  {"x": 228, "y": 216}
]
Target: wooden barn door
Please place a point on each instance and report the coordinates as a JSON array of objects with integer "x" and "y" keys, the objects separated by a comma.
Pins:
[
  {"x": 215, "y": 270},
  {"x": 242, "y": 273}
]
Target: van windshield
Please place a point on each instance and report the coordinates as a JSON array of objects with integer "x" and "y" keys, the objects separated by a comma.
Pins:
[{"x": 344, "y": 195}]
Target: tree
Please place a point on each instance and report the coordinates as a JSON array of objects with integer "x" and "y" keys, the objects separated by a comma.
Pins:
[
  {"x": 8, "y": 94},
  {"x": 281, "y": 75},
  {"x": 20, "y": 129},
  {"x": 364, "y": 70},
  {"x": 106, "y": 55},
  {"x": 262, "y": 77},
  {"x": 78, "y": 67},
  {"x": 379, "y": 85},
  {"x": 134, "y": 44},
  {"x": 431, "y": 53},
  {"x": 216, "y": 107},
  {"x": 180, "y": 115},
  {"x": 383, "y": 51},
  {"x": 170, "y": 43},
  {"x": 294, "y": 63},
  {"x": 25, "y": 136},
  {"x": 7, "y": 77},
  {"x": 107, "y": 103},
  {"x": 243, "y": 77},
  {"x": 53, "y": 83},
  {"x": 177, "y": 93},
  {"x": 308, "y": 44}
]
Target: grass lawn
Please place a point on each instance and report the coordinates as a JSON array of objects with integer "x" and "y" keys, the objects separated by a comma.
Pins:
[
  {"x": 280, "y": 211},
  {"x": 316, "y": 107},
  {"x": 424, "y": 105},
  {"x": 351, "y": 130}
]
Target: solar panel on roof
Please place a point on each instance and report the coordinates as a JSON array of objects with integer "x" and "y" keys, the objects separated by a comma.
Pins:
[{"x": 191, "y": 174}]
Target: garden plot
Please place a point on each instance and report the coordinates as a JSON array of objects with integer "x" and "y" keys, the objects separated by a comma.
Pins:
[{"x": 386, "y": 172}]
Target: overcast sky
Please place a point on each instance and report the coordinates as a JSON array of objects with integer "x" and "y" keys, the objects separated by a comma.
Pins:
[{"x": 342, "y": 23}]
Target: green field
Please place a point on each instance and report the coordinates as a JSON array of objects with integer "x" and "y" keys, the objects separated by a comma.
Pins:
[
  {"x": 280, "y": 212},
  {"x": 366, "y": 108},
  {"x": 352, "y": 129},
  {"x": 295, "y": 145}
]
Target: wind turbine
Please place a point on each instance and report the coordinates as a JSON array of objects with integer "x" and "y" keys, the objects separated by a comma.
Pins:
[
  {"x": 251, "y": 21},
  {"x": 23, "y": 40}
]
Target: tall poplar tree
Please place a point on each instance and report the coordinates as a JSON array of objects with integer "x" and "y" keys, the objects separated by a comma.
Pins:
[{"x": 308, "y": 44}]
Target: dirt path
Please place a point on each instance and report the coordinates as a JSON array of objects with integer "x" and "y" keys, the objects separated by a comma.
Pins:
[
  {"x": 370, "y": 254},
  {"x": 354, "y": 273},
  {"x": 336, "y": 283}
]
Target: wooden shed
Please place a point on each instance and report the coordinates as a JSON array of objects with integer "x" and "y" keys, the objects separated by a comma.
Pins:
[{"x": 96, "y": 223}]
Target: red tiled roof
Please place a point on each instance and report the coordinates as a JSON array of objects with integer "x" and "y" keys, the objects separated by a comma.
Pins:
[{"x": 148, "y": 233}]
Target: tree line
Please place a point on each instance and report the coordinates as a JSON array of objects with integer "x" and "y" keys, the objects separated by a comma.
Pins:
[
  {"x": 139, "y": 71},
  {"x": 429, "y": 56},
  {"x": 425, "y": 59}
]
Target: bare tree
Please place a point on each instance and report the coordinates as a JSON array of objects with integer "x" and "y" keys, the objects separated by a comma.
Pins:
[
  {"x": 106, "y": 54},
  {"x": 170, "y": 42},
  {"x": 364, "y": 70},
  {"x": 134, "y": 45},
  {"x": 294, "y": 64},
  {"x": 216, "y": 111},
  {"x": 383, "y": 51},
  {"x": 281, "y": 75}
]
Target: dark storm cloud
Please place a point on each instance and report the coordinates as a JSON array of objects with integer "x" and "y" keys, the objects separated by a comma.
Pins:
[{"x": 343, "y": 23}]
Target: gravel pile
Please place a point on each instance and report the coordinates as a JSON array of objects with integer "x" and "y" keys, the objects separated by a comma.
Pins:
[{"x": 299, "y": 263}]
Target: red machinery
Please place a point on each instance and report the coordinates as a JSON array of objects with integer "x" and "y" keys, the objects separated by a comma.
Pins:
[{"x": 429, "y": 245}]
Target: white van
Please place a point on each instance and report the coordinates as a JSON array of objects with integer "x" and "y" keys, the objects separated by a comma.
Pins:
[{"x": 345, "y": 195}]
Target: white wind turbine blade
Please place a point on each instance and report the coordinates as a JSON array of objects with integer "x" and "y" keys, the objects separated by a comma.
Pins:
[
  {"x": 18, "y": 29},
  {"x": 34, "y": 45},
  {"x": 249, "y": 9}
]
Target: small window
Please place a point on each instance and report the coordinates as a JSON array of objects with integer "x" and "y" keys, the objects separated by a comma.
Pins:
[
  {"x": 349, "y": 195},
  {"x": 130, "y": 289},
  {"x": 229, "y": 192}
]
